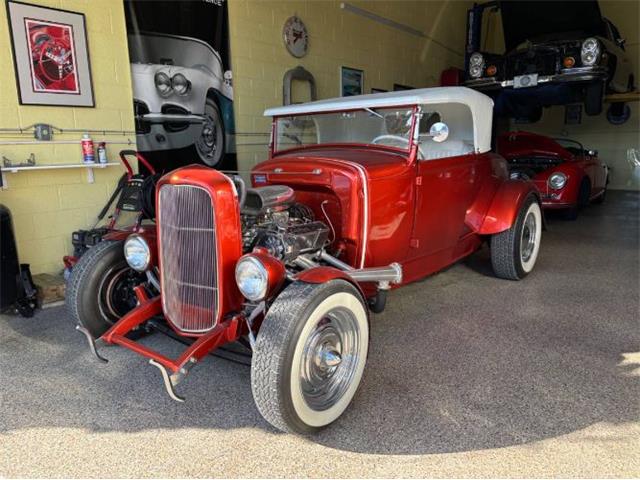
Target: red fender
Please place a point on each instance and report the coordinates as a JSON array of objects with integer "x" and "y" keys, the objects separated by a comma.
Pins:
[
  {"x": 505, "y": 206},
  {"x": 326, "y": 274}
]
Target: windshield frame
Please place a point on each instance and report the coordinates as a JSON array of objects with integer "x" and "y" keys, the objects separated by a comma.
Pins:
[{"x": 409, "y": 152}]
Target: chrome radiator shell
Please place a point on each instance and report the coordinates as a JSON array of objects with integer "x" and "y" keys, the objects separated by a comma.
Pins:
[{"x": 188, "y": 257}]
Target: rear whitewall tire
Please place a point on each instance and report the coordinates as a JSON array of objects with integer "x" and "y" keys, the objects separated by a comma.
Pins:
[
  {"x": 514, "y": 252},
  {"x": 293, "y": 344}
]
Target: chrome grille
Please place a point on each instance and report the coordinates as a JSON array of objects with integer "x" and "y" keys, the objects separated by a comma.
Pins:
[{"x": 188, "y": 257}]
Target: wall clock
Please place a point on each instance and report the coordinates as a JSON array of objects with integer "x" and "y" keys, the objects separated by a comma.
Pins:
[{"x": 296, "y": 38}]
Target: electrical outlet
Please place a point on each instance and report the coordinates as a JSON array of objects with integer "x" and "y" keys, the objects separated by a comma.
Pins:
[{"x": 42, "y": 131}]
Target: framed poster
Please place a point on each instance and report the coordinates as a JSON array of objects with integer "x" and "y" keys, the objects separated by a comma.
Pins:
[
  {"x": 351, "y": 82},
  {"x": 50, "y": 56}
]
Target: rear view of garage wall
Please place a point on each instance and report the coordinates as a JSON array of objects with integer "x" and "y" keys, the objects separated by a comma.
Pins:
[
  {"x": 47, "y": 205},
  {"x": 337, "y": 37}
]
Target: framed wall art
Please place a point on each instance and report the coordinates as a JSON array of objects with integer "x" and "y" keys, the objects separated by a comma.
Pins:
[
  {"x": 50, "y": 56},
  {"x": 351, "y": 82}
]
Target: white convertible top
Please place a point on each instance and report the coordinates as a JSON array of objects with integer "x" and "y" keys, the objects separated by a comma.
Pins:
[{"x": 480, "y": 105}]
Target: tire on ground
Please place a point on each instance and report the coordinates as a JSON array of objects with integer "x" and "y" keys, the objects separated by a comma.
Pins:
[
  {"x": 284, "y": 343},
  {"x": 582, "y": 201},
  {"x": 86, "y": 288},
  {"x": 513, "y": 256}
]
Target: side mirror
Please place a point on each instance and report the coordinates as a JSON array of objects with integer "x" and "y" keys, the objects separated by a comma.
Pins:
[
  {"x": 592, "y": 153},
  {"x": 621, "y": 42},
  {"x": 439, "y": 131}
]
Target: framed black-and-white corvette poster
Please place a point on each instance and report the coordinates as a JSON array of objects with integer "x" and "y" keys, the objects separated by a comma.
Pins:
[{"x": 50, "y": 55}]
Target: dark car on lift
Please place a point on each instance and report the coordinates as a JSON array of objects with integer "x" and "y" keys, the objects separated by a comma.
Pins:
[{"x": 556, "y": 53}]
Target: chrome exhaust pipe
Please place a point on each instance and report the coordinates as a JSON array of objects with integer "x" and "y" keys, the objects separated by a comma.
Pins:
[{"x": 383, "y": 275}]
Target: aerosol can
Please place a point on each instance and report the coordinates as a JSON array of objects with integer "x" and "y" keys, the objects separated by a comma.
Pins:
[
  {"x": 102, "y": 152},
  {"x": 87, "y": 149}
]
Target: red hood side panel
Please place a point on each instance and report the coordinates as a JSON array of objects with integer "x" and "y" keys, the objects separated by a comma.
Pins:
[
  {"x": 521, "y": 144},
  {"x": 367, "y": 198}
]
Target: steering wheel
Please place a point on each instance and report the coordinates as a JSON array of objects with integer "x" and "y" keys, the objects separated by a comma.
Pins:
[
  {"x": 389, "y": 137},
  {"x": 395, "y": 137}
]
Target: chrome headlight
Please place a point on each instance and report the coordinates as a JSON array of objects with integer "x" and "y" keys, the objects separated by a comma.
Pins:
[
  {"x": 557, "y": 180},
  {"x": 475, "y": 71},
  {"x": 476, "y": 64},
  {"x": 180, "y": 84},
  {"x": 163, "y": 83},
  {"x": 590, "y": 52},
  {"x": 137, "y": 253},
  {"x": 252, "y": 278}
]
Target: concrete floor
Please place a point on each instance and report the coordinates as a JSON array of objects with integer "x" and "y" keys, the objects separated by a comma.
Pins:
[{"x": 468, "y": 375}]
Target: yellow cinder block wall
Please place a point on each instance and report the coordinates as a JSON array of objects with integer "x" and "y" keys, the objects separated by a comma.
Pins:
[
  {"x": 336, "y": 38},
  {"x": 48, "y": 205}
]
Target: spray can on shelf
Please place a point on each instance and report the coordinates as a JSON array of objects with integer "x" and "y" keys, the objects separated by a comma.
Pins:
[
  {"x": 102, "y": 152},
  {"x": 87, "y": 149}
]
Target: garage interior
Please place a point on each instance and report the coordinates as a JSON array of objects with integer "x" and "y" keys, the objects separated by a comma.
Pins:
[{"x": 467, "y": 375}]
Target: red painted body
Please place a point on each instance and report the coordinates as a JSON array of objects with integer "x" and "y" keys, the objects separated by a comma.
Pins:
[
  {"x": 424, "y": 215},
  {"x": 383, "y": 205},
  {"x": 577, "y": 164},
  {"x": 227, "y": 223}
]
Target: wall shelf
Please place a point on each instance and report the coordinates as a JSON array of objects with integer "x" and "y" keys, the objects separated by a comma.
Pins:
[
  {"x": 623, "y": 97},
  {"x": 24, "y": 168}
]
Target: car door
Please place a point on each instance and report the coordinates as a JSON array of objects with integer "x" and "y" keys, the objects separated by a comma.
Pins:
[{"x": 445, "y": 189}]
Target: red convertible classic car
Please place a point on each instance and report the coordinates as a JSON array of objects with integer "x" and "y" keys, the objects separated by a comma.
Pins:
[
  {"x": 567, "y": 176},
  {"x": 359, "y": 195}
]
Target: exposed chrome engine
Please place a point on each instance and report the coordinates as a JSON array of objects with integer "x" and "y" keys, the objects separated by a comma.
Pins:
[
  {"x": 526, "y": 168},
  {"x": 272, "y": 219}
]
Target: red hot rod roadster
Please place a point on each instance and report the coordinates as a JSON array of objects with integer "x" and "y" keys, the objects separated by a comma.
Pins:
[
  {"x": 359, "y": 195},
  {"x": 567, "y": 175}
]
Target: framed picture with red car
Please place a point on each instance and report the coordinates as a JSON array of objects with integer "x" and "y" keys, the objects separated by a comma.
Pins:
[{"x": 50, "y": 56}]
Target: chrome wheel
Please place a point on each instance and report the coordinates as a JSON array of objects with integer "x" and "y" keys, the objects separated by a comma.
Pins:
[
  {"x": 528, "y": 238},
  {"x": 310, "y": 355},
  {"x": 210, "y": 144},
  {"x": 329, "y": 360}
]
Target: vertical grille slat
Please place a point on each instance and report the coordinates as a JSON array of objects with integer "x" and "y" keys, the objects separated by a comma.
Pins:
[{"x": 188, "y": 257}]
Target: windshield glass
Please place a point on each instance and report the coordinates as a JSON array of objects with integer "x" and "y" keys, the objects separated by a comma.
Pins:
[
  {"x": 389, "y": 127},
  {"x": 570, "y": 145}
]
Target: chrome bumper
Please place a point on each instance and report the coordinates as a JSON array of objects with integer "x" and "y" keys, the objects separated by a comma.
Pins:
[
  {"x": 171, "y": 118},
  {"x": 579, "y": 74}
]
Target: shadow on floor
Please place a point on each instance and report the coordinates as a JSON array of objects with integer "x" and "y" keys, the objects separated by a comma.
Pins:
[{"x": 459, "y": 362}]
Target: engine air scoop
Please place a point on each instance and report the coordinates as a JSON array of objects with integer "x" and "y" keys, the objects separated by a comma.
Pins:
[{"x": 268, "y": 198}]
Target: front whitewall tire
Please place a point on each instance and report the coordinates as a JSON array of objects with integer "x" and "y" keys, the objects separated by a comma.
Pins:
[
  {"x": 308, "y": 415},
  {"x": 310, "y": 355}
]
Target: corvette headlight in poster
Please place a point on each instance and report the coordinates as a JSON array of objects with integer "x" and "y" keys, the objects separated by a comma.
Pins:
[{"x": 180, "y": 70}]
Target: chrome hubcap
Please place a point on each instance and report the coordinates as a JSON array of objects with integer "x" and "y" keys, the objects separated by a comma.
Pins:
[
  {"x": 208, "y": 142},
  {"x": 329, "y": 359},
  {"x": 528, "y": 239}
]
